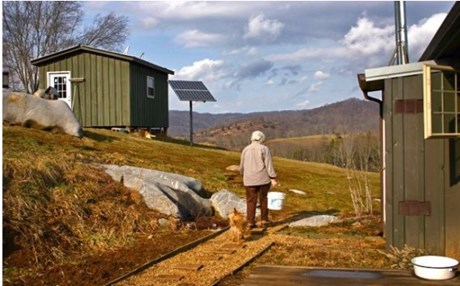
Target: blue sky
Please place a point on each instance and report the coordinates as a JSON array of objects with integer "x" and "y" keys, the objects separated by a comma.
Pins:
[{"x": 271, "y": 55}]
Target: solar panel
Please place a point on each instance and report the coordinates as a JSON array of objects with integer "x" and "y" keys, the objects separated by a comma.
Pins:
[{"x": 191, "y": 90}]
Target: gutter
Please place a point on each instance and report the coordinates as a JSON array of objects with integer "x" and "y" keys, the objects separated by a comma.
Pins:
[{"x": 365, "y": 88}]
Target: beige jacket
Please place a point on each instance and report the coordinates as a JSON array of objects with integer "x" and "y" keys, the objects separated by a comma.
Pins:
[{"x": 256, "y": 165}]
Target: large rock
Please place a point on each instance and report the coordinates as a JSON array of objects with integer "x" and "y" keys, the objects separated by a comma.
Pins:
[
  {"x": 225, "y": 201},
  {"x": 168, "y": 193},
  {"x": 31, "y": 111}
]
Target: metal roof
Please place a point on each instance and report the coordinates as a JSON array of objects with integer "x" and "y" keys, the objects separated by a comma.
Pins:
[
  {"x": 191, "y": 90},
  {"x": 374, "y": 74},
  {"x": 79, "y": 48}
]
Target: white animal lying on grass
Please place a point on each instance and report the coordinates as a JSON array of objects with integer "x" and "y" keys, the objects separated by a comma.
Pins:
[{"x": 31, "y": 111}]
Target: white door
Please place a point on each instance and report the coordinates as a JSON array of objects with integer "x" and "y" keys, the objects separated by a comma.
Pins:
[{"x": 60, "y": 81}]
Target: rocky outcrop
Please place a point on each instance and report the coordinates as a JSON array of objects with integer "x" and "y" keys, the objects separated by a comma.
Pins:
[
  {"x": 172, "y": 194},
  {"x": 31, "y": 111},
  {"x": 225, "y": 201}
]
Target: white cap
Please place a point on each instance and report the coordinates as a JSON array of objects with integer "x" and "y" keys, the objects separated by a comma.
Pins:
[{"x": 257, "y": 136}]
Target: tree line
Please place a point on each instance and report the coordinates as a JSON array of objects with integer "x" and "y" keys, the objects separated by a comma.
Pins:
[{"x": 359, "y": 151}]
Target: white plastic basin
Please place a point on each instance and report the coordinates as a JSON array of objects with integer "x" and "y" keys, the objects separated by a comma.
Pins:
[{"x": 434, "y": 267}]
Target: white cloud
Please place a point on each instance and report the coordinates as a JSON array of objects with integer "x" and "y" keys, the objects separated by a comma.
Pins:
[
  {"x": 196, "y": 39},
  {"x": 303, "y": 105},
  {"x": 419, "y": 35},
  {"x": 186, "y": 10},
  {"x": 315, "y": 86},
  {"x": 205, "y": 69},
  {"x": 306, "y": 53},
  {"x": 149, "y": 22},
  {"x": 320, "y": 75},
  {"x": 303, "y": 79},
  {"x": 368, "y": 44},
  {"x": 250, "y": 51},
  {"x": 366, "y": 39},
  {"x": 262, "y": 29}
]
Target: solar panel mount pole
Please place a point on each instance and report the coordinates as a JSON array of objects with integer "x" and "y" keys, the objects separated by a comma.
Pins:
[{"x": 191, "y": 124}]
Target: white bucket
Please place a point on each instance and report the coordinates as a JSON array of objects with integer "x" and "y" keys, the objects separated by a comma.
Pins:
[{"x": 275, "y": 200}]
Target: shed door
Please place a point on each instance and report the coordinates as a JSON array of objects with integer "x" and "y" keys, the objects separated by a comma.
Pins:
[{"x": 60, "y": 81}]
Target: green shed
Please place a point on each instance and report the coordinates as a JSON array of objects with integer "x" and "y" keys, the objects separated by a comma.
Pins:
[
  {"x": 107, "y": 89},
  {"x": 420, "y": 120}
]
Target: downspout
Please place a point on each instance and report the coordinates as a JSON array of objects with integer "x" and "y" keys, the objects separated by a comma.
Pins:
[{"x": 364, "y": 89}]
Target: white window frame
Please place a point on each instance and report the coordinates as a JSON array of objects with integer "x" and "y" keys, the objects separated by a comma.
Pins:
[
  {"x": 427, "y": 103},
  {"x": 150, "y": 85}
]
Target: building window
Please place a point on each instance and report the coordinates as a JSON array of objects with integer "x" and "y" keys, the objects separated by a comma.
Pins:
[
  {"x": 441, "y": 99},
  {"x": 150, "y": 87}
]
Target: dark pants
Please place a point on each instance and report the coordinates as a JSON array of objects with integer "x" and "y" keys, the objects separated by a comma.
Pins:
[{"x": 252, "y": 192}]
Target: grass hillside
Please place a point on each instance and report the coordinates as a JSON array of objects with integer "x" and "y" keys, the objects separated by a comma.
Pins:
[{"x": 64, "y": 219}]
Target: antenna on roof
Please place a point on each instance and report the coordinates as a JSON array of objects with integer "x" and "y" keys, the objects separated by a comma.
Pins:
[
  {"x": 126, "y": 50},
  {"x": 141, "y": 55}
]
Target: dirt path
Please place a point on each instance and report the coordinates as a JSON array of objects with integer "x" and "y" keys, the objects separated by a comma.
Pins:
[{"x": 206, "y": 264}]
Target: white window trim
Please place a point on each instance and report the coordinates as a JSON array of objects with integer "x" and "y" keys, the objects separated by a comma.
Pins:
[
  {"x": 153, "y": 86},
  {"x": 427, "y": 108},
  {"x": 69, "y": 99}
]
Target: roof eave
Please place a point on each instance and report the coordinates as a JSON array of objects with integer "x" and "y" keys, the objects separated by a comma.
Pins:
[
  {"x": 74, "y": 49},
  {"x": 381, "y": 73}
]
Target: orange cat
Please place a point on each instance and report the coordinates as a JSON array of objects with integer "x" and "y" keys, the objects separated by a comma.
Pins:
[{"x": 238, "y": 226}]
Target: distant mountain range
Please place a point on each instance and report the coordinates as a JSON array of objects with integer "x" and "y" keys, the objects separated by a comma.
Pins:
[{"x": 233, "y": 129}]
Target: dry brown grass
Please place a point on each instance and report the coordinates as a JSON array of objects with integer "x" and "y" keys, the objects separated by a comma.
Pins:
[
  {"x": 60, "y": 213},
  {"x": 59, "y": 206},
  {"x": 352, "y": 243}
]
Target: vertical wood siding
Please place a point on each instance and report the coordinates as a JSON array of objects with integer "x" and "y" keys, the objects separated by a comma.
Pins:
[
  {"x": 149, "y": 112},
  {"x": 415, "y": 171},
  {"x": 413, "y": 159},
  {"x": 452, "y": 155}
]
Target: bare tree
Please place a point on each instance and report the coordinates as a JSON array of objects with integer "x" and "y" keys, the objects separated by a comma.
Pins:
[
  {"x": 33, "y": 29},
  {"x": 357, "y": 160},
  {"x": 108, "y": 32}
]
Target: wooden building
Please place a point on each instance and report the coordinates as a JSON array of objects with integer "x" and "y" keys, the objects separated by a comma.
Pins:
[
  {"x": 420, "y": 116},
  {"x": 108, "y": 89}
]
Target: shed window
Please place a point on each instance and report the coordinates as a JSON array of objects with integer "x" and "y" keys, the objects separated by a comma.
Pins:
[
  {"x": 150, "y": 87},
  {"x": 441, "y": 97}
]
